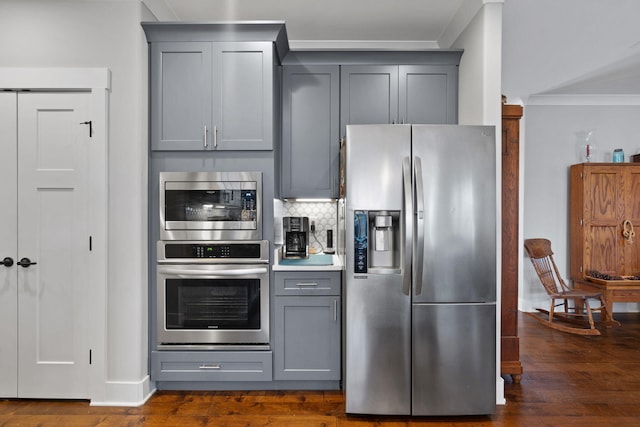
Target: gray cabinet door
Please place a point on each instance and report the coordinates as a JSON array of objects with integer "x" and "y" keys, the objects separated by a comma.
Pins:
[
  {"x": 212, "y": 96},
  {"x": 307, "y": 338},
  {"x": 180, "y": 95},
  {"x": 310, "y": 122},
  {"x": 368, "y": 95},
  {"x": 243, "y": 100},
  {"x": 428, "y": 94}
]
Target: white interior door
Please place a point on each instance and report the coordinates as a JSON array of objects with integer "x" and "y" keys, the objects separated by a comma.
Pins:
[
  {"x": 8, "y": 245},
  {"x": 53, "y": 354}
]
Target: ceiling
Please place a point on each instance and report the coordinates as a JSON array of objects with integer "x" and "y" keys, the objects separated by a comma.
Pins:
[
  {"x": 577, "y": 59},
  {"x": 334, "y": 23}
]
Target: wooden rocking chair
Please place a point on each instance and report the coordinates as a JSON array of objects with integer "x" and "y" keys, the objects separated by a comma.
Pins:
[{"x": 541, "y": 256}]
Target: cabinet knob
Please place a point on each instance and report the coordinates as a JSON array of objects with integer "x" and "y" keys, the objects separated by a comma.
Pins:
[{"x": 7, "y": 261}]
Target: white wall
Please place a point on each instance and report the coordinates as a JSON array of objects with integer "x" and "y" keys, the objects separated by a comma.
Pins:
[
  {"x": 104, "y": 34},
  {"x": 552, "y": 139},
  {"x": 549, "y": 47},
  {"x": 480, "y": 68}
]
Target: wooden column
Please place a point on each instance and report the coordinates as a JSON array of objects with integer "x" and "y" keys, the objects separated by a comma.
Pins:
[{"x": 510, "y": 343}]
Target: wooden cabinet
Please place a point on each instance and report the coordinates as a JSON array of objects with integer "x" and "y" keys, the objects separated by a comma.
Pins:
[
  {"x": 212, "y": 96},
  {"x": 310, "y": 122},
  {"x": 510, "y": 342},
  {"x": 416, "y": 94},
  {"x": 604, "y": 208},
  {"x": 307, "y": 343}
]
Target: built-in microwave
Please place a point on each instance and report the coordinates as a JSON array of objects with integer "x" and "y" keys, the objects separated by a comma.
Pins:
[{"x": 210, "y": 205}]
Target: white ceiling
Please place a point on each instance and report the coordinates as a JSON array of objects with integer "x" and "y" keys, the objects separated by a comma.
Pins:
[
  {"x": 334, "y": 23},
  {"x": 592, "y": 49}
]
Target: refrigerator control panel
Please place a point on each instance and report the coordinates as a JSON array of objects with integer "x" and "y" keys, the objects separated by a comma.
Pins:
[{"x": 360, "y": 239}]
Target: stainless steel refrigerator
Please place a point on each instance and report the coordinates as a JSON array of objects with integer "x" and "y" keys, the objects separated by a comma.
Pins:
[{"x": 420, "y": 246}]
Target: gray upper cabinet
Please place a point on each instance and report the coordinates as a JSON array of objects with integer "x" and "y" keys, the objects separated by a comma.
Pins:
[
  {"x": 369, "y": 95},
  {"x": 212, "y": 96},
  {"x": 417, "y": 94},
  {"x": 428, "y": 94},
  {"x": 215, "y": 86},
  {"x": 243, "y": 98},
  {"x": 310, "y": 108},
  {"x": 181, "y": 96}
]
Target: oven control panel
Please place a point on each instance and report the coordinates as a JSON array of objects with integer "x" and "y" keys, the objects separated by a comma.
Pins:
[{"x": 255, "y": 251}]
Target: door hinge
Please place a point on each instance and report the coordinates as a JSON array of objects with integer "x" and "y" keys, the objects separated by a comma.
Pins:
[
  {"x": 90, "y": 123},
  {"x": 90, "y": 243}
]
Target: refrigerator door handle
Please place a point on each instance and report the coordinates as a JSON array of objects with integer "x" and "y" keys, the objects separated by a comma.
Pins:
[
  {"x": 418, "y": 249},
  {"x": 408, "y": 225}
]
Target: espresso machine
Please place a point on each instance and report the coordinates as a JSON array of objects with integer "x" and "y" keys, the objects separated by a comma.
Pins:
[{"x": 296, "y": 237}]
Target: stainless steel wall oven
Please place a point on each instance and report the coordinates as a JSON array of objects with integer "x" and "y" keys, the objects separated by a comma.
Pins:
[
  {"x": 210, "y": 205},
  {"x": 212, "y": 293}
]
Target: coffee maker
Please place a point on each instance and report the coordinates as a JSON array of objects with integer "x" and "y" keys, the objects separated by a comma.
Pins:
[{"x": 296, "y": 237}]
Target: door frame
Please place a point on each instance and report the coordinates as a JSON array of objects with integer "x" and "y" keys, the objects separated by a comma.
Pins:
[{"x": 96, "y": 81}]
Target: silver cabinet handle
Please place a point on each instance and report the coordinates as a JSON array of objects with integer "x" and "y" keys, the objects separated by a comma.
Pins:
[
  {"x": 205, "y": 137},
  {"x": 309, "y": 284},
  {"x": 210, "y": 367},
  {"x": 335, "y": 310},
  {"x": 215, "y": 137}
]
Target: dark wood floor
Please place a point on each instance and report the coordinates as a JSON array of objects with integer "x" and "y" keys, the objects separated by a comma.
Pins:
[{"x": 568, "y": 380}]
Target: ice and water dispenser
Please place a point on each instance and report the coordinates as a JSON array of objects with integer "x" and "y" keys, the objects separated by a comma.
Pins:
[{"x": 376, "y": 241}]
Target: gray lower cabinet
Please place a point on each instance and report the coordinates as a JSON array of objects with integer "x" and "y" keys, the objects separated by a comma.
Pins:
[
  {"x": 387, "y": 94},
  {"x": 307, "y": 329},
  {"x": 310, "y": 123},
  {"x": 211, "y": 366},
  {"x": 212, "y": 95}
]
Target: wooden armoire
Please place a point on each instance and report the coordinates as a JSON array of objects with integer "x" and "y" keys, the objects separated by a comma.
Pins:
[
  {"x": 604, "y": 209},
  {"x": 510, "y": 342}
]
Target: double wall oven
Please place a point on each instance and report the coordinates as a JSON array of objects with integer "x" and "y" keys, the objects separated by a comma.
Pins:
[{"x": 212, "y": 266}]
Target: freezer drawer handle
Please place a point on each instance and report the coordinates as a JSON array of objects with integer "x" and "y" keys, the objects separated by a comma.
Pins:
[
  {"x": 210, "y": 367},
  {"x": 308, "y": 285}
]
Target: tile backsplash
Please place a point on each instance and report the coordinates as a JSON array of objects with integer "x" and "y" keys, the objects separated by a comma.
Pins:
[{"x": 324, "y": 214}]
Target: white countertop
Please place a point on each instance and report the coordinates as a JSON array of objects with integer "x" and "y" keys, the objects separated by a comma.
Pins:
[{"x": 337, "y": 264}]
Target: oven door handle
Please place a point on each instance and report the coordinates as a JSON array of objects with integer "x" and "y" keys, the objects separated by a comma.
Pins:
[{"x": 209, "y": 274}]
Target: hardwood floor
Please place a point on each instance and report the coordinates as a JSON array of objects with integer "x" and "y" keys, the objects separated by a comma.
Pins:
[{"x": 568, "y": 380}]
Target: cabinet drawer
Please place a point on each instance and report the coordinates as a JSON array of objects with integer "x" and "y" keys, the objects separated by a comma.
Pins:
[
  {"x": 307, "y": 283},
  {"x": 212, "y": 366}
]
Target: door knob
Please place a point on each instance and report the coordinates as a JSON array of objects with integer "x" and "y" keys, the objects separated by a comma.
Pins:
[
  {"x": 7, "y": 261},
  {"x": 25, "y": 262}
]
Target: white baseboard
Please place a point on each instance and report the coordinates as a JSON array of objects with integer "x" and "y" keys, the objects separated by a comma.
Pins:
[{"x": 126, "y": 393}]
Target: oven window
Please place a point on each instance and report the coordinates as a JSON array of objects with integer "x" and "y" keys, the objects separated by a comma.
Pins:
[
  {"x": 210, "y": 205},
  {"x": 212, "y": 303}
]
